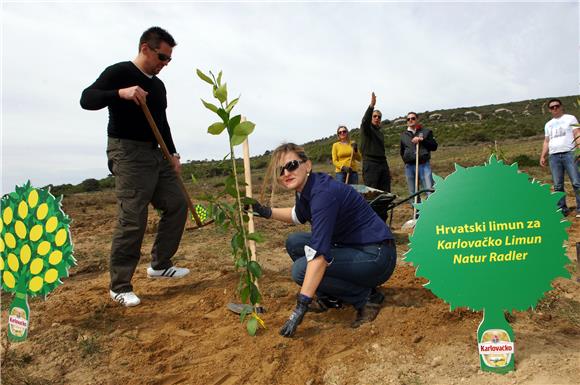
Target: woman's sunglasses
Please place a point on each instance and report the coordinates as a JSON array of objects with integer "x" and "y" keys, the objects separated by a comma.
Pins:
[
  {"x": 342, "y": 132},
  {"x": 290, "y": 166}
]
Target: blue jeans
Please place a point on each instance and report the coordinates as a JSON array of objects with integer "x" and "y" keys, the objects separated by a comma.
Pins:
[
  {"x": 425, "y": 179},
  {"x": 560, "y": 163},
  {"x": 352, "y": 179},
  {"x": 354, "y": 271}
]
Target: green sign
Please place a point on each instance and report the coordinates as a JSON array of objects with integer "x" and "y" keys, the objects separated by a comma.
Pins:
[
  {"x": 490, "y": 239},
  {"x": 35, "y": 250}
]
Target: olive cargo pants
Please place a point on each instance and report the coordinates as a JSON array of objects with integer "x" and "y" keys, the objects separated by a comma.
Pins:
[{"x": 143, "y": 176}]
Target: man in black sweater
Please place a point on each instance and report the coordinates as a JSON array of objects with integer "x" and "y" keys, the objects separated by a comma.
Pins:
[
  {"x": 142, "y": 175},
  {"x": 376, "y": 172}
]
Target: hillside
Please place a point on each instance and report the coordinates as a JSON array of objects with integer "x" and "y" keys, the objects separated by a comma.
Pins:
[{"x": 452, "y": 127}]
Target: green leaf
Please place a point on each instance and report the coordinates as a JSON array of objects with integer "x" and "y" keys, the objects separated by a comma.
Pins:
[
  {"x": 233, "y": 122},
  {"x": 223, "y": 114},
  {"x": 204, "y": 77},
  {"x": 193, "y": 179},
  {"x": 252, "y": 326},
  {"x": 210, "y": 106},
  {"x": 244, "y": 128},
  {"x": 255, "y": 269},
  {"x": 244, "y": 313},
  {"x": 256, "y": 237},
  {"x": 219, "y": 79},
  {"x": 216, "y": 128},
  {"x": 238, "y": 139},
  {"x": 245, "y": 293},
  {"x": 231, "y": 104},
  {"x": 248, "y": 201},
  {"x": 230, "y": 187},
  {"x": 221, "y": 93},
  {"x": 254, "y": 294}
]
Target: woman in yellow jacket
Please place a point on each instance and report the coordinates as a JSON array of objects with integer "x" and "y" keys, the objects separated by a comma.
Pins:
[{"x": 345, "y": 157}]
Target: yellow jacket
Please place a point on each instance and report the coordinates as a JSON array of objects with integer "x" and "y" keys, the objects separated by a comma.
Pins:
[{"x": 341, "y": 155}]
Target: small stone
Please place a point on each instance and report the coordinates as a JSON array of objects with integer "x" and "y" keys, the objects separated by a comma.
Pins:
[
  {"x": 375, "y": 346},
  {"x": 310, "y": 382},
  {"x": 417, "y": 339},
  {"x": 55, "y": 324},
  {"x": 436, "y": 361}
]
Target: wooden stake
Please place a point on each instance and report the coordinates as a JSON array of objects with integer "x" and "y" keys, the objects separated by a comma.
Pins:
[{"x": 248, "y": 179}]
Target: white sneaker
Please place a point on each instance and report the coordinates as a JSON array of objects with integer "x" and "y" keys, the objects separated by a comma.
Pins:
[
  {"x": 578, "y": 215},
  {"x": 126, "y": 299},
  {"x": 170, "y": 272}
]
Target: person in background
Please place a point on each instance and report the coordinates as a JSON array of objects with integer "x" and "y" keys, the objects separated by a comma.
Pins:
[
  {"x": 142, "y": 175},
  {"x": 345, "y": 157},
  {"x": 413, "y": 135},
  {"x": 562, "y": 135},
  {"x": 376, "y": 172},
  {"x": 350, "y": 250}
]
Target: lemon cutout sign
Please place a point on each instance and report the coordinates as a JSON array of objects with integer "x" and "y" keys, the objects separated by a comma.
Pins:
[
  {"x": 35, "y": 250},
  {"x": 490, "y": 239}
]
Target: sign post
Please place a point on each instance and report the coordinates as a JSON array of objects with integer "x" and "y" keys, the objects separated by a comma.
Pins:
[
  {"x": 36, "y": 251},
  {"x": 489, "y": 239}
]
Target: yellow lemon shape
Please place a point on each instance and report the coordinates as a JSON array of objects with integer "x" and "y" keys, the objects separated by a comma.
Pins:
[
  {"x": 1, "y": 263},
  {"x": 20, "y": 229},
  {"x": 1, "y": 225},
  {"x": 33, "y": 198},
  {"x": 10, "y": 240},
  {"x": 13, "y": 262},
  {"x": 42, "y": 211},
  {"x": 51, "y": 224},
  {"x": 60, "y": 237},
  {"x": 35, "y": 284},
  {"x": 7, "y": 215},
  {"x": 25, "y": 254},
  {"x": 55, "y": 257},
  {"x": 36, "y": 233},
  {"x": 51, "y": 275},
  {"x": 9, "y": 279},
  {"x": 1, "y": 245},
  {"x": 43, "y": 248},
  {"x": 22, "y": 209},
  {"x": 36, "y": 266}
]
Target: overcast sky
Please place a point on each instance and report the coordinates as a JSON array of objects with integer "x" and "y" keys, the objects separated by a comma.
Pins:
[{"x": 301, "y": 69}]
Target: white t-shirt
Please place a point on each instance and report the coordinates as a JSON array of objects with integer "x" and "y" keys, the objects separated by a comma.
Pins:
[{"x": 561, "y": 133}]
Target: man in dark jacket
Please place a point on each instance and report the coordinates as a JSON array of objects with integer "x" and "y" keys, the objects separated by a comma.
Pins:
[
  {"x": 417, "y": 136},
  {"x": 376, "y": 172}
]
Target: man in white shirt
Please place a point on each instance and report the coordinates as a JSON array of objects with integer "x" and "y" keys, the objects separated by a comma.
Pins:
[{"x": 562, "y": 136}]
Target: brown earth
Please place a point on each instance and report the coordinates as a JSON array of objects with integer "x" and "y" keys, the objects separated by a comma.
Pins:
[{"x": 183, "y": 334}]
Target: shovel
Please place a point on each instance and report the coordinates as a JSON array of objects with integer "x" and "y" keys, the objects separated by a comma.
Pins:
[
  {"x": 410, "y": 224},
  {"x": 349, "y": 166},
  {"x": 167, "y": 156}
]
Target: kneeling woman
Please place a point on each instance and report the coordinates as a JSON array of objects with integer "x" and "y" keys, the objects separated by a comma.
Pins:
[{"x": 350, "y": 250}]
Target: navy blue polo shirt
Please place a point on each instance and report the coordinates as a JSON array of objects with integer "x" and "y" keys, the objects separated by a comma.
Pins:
[{"x": 338, "y": 214}]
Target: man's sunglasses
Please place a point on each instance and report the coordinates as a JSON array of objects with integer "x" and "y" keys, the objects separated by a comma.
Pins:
[
  {"x": 376, "y": 116},
  {"x": 554, "y": 106},
  {"x": 290, "y": 166},
  {"x": 412, "y": 118},
  {"x": 162, "y": 56}
]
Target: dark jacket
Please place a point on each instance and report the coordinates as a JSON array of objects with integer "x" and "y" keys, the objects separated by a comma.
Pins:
[
  {"x": 425, "y": 147},
  {"x": 372, "y": 139}
]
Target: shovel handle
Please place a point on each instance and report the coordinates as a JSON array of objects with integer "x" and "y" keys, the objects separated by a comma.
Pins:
[{"x": 168, "y": 156}]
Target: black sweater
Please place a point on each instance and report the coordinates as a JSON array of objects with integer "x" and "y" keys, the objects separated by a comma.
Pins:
[
  {"x": 126, "y": 119},
  {"x": 408, "y": 148},
  {"x": 372, "y": 139}
]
